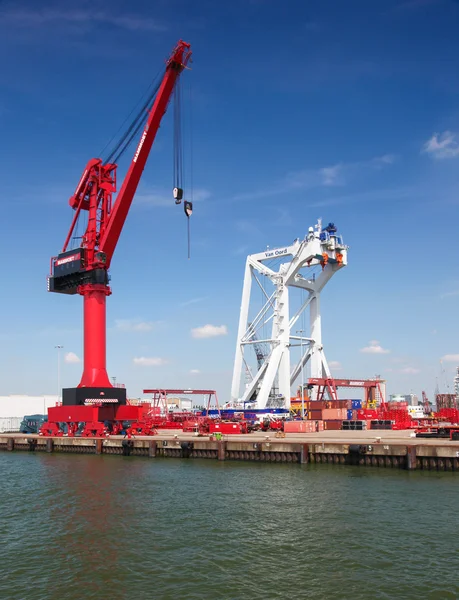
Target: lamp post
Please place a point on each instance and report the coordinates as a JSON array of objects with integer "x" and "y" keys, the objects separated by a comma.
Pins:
[
  {"x": 59, "y": 348},
  {"x": 301, "y": 331}
]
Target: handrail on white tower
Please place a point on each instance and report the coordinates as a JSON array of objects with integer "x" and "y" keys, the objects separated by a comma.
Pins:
[{"x": 321, "y": 246}]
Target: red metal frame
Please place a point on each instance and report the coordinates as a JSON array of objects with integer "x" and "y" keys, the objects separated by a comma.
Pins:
[
  {"x": 370, "y": 386},
  {"x": 160, "y": 396},
  {"x": 105, "y": 221}
]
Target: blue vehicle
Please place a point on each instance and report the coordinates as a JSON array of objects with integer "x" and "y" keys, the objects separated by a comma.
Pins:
[{"x": 32, "y": 423}]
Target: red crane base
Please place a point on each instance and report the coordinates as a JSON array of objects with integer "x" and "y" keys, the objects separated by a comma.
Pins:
[
  {"x": 80, "y": 396},
  {"x": 96, "y": 419}
]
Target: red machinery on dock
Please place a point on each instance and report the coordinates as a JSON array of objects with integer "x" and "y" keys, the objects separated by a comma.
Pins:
[{"x": 84, "y": 270}]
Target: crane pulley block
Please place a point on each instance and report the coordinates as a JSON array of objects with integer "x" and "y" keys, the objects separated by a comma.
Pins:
[{"x": 178, "y": 195}]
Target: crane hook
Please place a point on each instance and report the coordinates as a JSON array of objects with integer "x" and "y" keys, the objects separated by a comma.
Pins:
[{"x": 188, "y": 209}]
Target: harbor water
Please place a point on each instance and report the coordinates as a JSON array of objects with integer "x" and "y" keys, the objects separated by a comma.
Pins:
[{"x": 112, "y": 527}]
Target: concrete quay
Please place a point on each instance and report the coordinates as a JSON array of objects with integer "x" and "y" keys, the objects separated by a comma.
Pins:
[{"x": 390, "y": 449}]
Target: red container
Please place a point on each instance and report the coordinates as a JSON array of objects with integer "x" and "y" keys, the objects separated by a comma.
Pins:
[
  {"x": 315, "y": 415},
  {"x": 226, "y": 428},
  {"x": 332, "y": 425},
  {"x": 299, "y": 427},
  {"x": 334, "y": 413},
  {"x": 293, "y": 426},
  {"x": 367, "y": 413},
  {"x": 314, "y": 405}
]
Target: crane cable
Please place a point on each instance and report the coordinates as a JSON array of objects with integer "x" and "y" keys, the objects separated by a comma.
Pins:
[
  {"x": 178, "y": 160},
  {"x": 154, "y": 85},
  {"x": 177, "y": 145},
  {"x": 131, "y": 132}
]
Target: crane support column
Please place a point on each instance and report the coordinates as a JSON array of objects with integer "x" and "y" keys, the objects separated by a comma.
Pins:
[
  {"x": 316, "y": 335},
  {"x": 95, "y": 369}
]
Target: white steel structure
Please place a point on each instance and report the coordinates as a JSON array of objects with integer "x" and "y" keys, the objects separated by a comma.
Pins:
[
  {"x": 321, "y": 247},
  {"x": 456, "y": 384}
]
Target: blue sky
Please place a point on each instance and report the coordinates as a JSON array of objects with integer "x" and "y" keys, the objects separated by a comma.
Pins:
[{"x": 347, "y": 111}]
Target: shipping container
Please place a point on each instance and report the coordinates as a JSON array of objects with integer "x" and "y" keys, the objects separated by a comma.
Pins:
[
  {"x": 10, "y": 424},
  {"x": 334, "y": 425},
  {"x": 367, "y": 414},
  {"x": 334, "y": 413},
  {"x": 315, "y": 414},
  {"x": 314, "y": 405},
  {"x": 299, "y": 426},
  {"x": 227, "y": 428}
]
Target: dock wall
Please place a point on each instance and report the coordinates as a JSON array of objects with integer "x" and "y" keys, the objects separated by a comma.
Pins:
[{"x": 443, "y": 456}]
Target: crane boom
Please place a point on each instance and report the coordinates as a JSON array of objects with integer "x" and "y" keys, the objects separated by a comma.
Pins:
[
  {"x": 175, "y": 66},
  {"x": 84, "y": 270}
]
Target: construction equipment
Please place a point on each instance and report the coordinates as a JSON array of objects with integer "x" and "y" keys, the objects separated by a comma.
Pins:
[
  {"x": 426, "y": 404},
  {"x": 374, "y": 389},
  {"x": 319, "y": 249},
  {"x": 84, "y": 270}
]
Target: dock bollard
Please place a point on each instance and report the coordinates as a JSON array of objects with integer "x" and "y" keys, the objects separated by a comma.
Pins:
[
  {"x": 221, "y": 450},
  {"x": 99, "y": 446},
  {"x": 304, "y": 454},
  {"x": 152, "y": 449},
  {"x": 411, "y": 458}
]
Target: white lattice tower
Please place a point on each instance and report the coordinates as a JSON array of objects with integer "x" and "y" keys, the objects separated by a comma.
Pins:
[
  {"x": 320, "y": 247},
  {"x": 456, "y": 384}
]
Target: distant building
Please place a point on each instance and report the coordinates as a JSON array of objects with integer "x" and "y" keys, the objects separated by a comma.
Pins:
[
  {"x": 412, "y": 399},
  {"x": 18, "y": 405}
]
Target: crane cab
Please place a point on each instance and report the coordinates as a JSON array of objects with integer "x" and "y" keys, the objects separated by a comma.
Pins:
[{"x": 68, "y": 272}]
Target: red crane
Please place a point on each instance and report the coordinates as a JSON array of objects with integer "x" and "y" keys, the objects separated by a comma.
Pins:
[{"x": 84, "y": 270}]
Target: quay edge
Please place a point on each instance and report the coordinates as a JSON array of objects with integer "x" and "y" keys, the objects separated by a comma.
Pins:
[{"x": 340, "y": 448}]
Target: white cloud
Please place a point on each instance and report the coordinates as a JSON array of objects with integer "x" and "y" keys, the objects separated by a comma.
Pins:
[
  {"x": 195, "y": 371},
  {"x": 450, "y": 294},
  {"x": 335, "y": 365},
  {"x": 145, "y": 361},
  {"x": 339, "y": 173},
  {"x": 451, "y": 358},
  {"x": 374, "y": 348},
  {"x": 192, "y": 301},
  {"x": 208, "y": 331},
  {"x": 71, "y": 357},
  {"x": 330, "y": 175},
  {"x": 410, "y": 371},
  {"x": 443, "y": 145},
  {"x": 129, "y": 325},
  {"x": 28, "y": 17}
]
